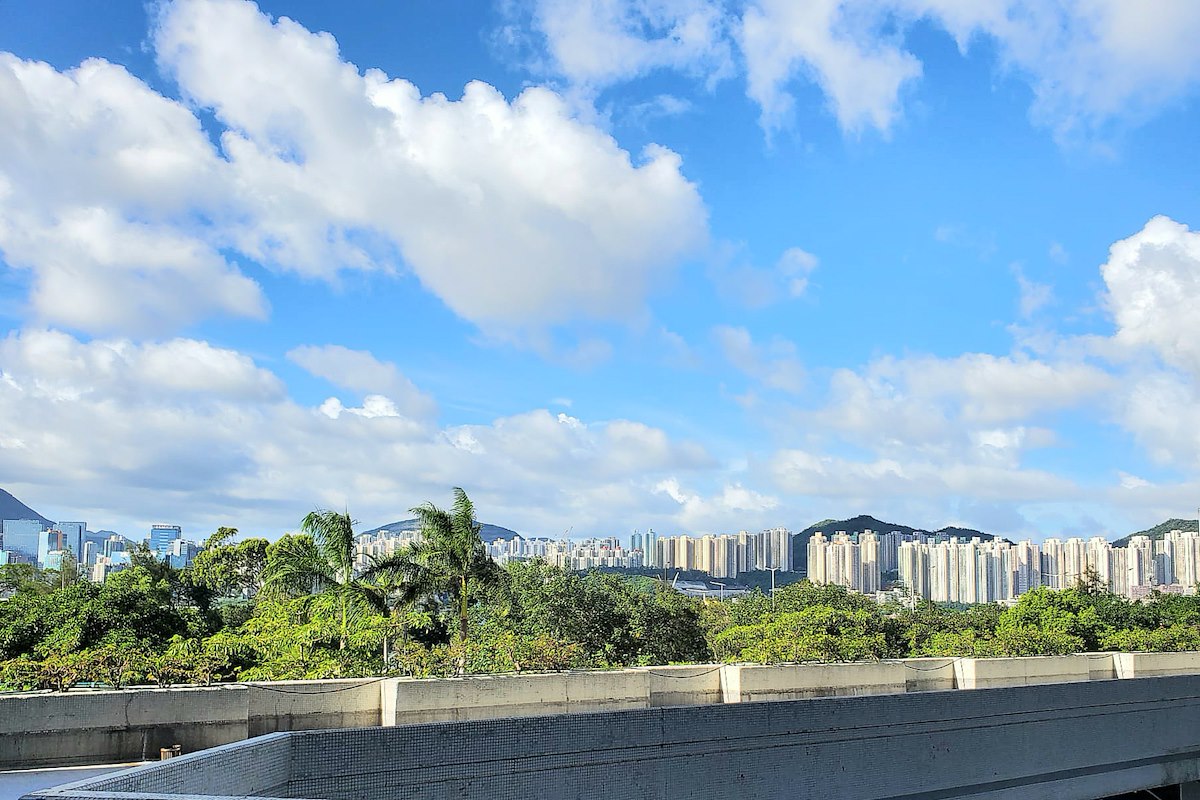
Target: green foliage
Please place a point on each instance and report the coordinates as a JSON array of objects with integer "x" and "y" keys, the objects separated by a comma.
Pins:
[{"x": 297, "y": 609}]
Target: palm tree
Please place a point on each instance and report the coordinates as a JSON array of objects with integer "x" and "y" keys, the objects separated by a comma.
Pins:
[
  {"x": 450, "y": 553},
  {"x": 320, "y": 563},
  {"x": 394, "y": 584}
]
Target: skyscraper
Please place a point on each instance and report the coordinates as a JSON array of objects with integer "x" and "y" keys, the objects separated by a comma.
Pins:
[
  {"x": 73, "y": 533},
  {"x": 161, "y": 536},
  {"x": 21, "y": 539}
]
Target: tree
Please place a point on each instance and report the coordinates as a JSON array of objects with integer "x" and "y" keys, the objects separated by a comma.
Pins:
[
  {"x": 393, "y": 585},
  {"x": 319, "y": 562},
  {"x": 451, "y": 556}
]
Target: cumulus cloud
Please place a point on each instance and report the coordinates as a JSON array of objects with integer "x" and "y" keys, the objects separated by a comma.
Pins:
[
  {"x": 100, "y": 181},
  {"x": 775, "y": 366},
  {"x": 1153, "y": 291},
  {"x": 866, "y": 481},
  {"x": 140, "y": 431},
  {"x": 360, "y": 371},
  {"x": 975, "y": 407},
  {"x": 516, "y": 214},
  {"x": 732, "y": 507}
]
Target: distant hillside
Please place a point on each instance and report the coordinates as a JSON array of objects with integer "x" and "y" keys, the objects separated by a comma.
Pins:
[
  {"x": 12, "y": 508},
  {"x": 1160, "y": 530},
  {"x": 490, "y": 533},
  {"x": 862, "y": 523}
]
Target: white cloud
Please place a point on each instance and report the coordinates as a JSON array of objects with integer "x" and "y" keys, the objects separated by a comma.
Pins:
[
  {"x": 733, "y": 507},
  {"x": 596, "y": 43},
  {"x": 1086, "y": 62},
  {"x": 100, "y": 179},
  {"x": 775, "y": 366},
  {"x": 360, "y": 371},
  {"x": 188, "y": 431},
  {"x": 1153, "y": 283},
  {"x": 1162, "y": 411},
  {"x": 56, "y": 366},
  {"x": 869, "y": 481},
  {"x": 757, "y": 287},
  {"x": 517, "y": 215},
  {"x": 838, "y": 46},
  {"x": 1034, "y": 296}
]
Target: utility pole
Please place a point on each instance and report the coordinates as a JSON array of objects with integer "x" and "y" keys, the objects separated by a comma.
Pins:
[{"x": 773, "y": 571}]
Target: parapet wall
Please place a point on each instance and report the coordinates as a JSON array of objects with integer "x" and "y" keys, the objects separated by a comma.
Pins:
[
  {"x": 1078, "y": 740},
  {"x": 113, "y": 726}
]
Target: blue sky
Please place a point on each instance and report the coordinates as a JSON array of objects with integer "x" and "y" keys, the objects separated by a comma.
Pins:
[{"x": 687, "y": 264}]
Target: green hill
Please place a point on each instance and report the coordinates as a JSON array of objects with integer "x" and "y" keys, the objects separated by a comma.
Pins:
[{"x": 1160, "y": 530}]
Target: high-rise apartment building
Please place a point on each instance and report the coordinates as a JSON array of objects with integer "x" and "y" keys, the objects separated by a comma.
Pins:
[{"x": 845, "y": 560}]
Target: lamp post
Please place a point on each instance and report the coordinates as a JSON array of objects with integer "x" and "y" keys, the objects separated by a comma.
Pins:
[
  {"x": 718, "y": 583},
  {"x": 773, "y": 571}
]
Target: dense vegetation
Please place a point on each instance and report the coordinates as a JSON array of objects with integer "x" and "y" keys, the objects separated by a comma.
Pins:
[{"x": 297, "y": 609}]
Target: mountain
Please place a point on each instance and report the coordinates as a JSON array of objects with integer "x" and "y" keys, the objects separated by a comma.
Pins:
[
  {"x": 864, "y": 522},
  {"x": 489, "y": 533},
  {"x": 12, "y": 508},
  {"x": 1160, "y": 530}
]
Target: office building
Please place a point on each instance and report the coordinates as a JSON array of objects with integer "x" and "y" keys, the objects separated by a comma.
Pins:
[
  {"x": 161, "y": 536},
  {"x": 22, "y": 539}
]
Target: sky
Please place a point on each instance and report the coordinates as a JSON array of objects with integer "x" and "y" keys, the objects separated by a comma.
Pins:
[{"x": 693, "y": 265}]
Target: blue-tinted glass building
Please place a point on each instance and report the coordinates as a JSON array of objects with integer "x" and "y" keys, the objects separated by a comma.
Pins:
[
  {"x": 161, "y": 537},
  {"x": 21, "y": 539}
]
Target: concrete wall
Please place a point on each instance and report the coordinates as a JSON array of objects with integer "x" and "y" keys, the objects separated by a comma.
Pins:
[
  {"x": 114, "y": 726},
  {"x": 1070, "y": 741},
  {"x": 90, "y": 727},
  {"x": 751, "y": 684},
  {"x": 685, "y": 685},
  {"x": 493, "y": 696},
  {"x": 1142, "y": 665},
  {"x": 310, "y": 705},
  {"x": 106, "y": 727},
  {"x": 986, "y": 673}
]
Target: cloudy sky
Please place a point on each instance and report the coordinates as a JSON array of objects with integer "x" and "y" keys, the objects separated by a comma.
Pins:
[{"x": 607, "y": 264}]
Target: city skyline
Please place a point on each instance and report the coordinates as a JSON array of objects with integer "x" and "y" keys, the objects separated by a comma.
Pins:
[{"x": 703, "y": 266}]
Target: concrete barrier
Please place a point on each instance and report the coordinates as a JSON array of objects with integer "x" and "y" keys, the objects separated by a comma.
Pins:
[
  {"x": 690, "y": 685},
  {"x": 752, "y": 684},
  {"x": 928, "y": 674},
  {"x": 495, "y": 696},
  {"x": 310, "y": 705},
  {"x": 1143, "y": 665},
  {"x": 107, "y": 727},
  {"x": 1072, "y": 741},
  {"x": 987, "y": 673},
  {"x": 92, "y": 726}
]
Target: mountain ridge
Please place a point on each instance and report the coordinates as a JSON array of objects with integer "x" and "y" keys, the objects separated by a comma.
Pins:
[
  {"x": 12, "y": 508},
  {"x": 487, "y": 531},
  {"x": 1160, "y": 530},
  {"x": 865, "y": 522}
]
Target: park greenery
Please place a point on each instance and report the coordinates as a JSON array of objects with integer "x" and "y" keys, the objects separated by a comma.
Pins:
[{"x": 299, "y": 608}]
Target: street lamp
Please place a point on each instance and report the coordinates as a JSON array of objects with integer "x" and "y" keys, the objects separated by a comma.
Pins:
[
  {"x": 718, "y": 583},
  {"x": 773, "y": 571}
]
